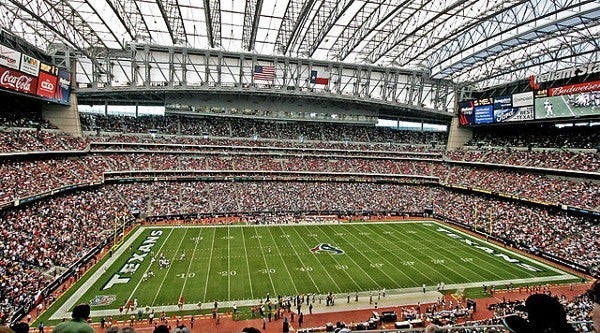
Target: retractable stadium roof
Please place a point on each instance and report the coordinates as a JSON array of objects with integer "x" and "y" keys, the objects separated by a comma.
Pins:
[{"x": 481, "y": 42}]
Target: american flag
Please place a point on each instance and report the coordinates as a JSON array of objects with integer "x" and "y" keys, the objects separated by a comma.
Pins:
[{"x": 266, "y": 73}]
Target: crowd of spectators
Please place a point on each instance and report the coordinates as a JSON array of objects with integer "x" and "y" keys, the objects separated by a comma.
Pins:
[
  {"x": 23, "y": 178},
  {"x": 526, "y": 227},
  {"x": 16, "y": 141},
  {"x": 56, "y": 231},
  {"x": 532, "y": 186},
  {"x": 257, "y": 129},
  {"x": 50, "y": 233},
  {"x": 537, "y": 135},
  {"x": 578, "y": 310},
  {"x": 552, "y": 159},
  {"x": 17, "y": 117}
]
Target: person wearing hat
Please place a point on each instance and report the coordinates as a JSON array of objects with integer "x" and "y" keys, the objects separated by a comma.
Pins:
[
  {"x": 79, "y": 322},
  {"x": 546, "y": 315},
  {"x": 594, "y": 296}
]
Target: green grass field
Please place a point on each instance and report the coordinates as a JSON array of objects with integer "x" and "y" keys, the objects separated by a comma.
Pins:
[
  {"x": 562, "y": 108},
  {"x": 234, "y": 263}
]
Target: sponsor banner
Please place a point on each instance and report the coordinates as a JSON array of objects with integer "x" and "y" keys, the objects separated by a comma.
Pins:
[
  {"x": 30, "y": 65},
  {"x": 9, "y": 57},
  {"x": 575, "y": 105},
  {"x": 517, "y": 114},
  {"x": 575, "y": 88},
  {"x": 483, "y": 101},
  {"x": 49, "y": 69},
  {"x": 514, "y": 114},
  {"x": 46, "y": 85},
  {"x": 17, "y": 81},
  {"x": 522, "y": 99},
  {"x": 63, "y": 89},
  {"x": 484, "y": 114},
  {"x": 465, "y": 113},
  {"x": 566, "y": 73},
  {"x": 502, "y": 102}
]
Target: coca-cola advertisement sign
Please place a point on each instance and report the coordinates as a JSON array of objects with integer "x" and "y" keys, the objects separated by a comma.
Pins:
[
  {"x": 46, "y": 85},
  {"x": 17, "y": 81}
]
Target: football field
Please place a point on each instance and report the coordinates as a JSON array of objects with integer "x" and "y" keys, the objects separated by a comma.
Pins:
[
  {"x": 243, "y": 263},
  {"x": 565, "y": 106}
]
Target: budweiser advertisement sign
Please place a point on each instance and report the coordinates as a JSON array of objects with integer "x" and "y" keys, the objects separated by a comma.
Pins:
[
  {"x": 17, "y": 81},
  {"x": 9, "y": 57},
  {"x": 572, "y": 89},
  {"x": 46, "y": 85}
]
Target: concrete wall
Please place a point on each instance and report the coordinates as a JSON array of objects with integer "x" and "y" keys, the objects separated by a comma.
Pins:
[
  {"x": 65, "y": 117},
  {"x": 458, "y": 135}
]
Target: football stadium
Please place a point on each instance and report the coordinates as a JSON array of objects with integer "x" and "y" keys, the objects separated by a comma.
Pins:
[{"x": 299, "y": 166}]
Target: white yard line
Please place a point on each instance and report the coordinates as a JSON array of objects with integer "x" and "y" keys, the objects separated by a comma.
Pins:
[
  {"x": 64, "y": 311},
  {"x": 169, "y": 268},
  {"x": 283, "y": 261},
  {"x": 228, "y": 265},
  {"x": 355, "y": 263},
  {"x": 212, "y": 246},
  {"x": 563, "y": 274},
  {"x": 303, "y": 266},
  {"x": 567, "y": 105},
  {"x": 265, "y": 261},
  {"x": 317, "y": 258},
  {"x": 247, "y": 264},
  {"x": 190, "y": 265}
]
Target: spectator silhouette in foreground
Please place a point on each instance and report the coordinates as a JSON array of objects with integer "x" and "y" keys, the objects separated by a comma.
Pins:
[
  {"x": 546, "y": 315},
  {"x": 516, "y": 324},
  {"x": 594, "y": 296},
  {"x": 21, "y": 327},
  {"x": 78, "y": 323}
]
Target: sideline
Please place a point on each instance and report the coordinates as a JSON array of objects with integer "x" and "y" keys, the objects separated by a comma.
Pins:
[
  {"x": 64, "y": 311},
  {"x": 399, "y": 295}
]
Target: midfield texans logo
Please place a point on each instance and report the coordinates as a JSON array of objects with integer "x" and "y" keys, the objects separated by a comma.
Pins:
[{"x": 326, "y": 247}]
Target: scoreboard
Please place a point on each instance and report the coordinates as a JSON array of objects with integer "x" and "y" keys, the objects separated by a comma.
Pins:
[
  {"x": 569, "y": 101},
  {"x": 25, "y": 74},
  {"x": 500, "y": 109}
]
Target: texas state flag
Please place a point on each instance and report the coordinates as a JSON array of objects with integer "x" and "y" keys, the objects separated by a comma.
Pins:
[{"x": 317, "y": 80}]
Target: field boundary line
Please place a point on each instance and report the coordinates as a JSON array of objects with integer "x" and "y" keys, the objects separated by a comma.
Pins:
[
  {"x": 384, "y": 258},
  {"x": 64, "y": 310},
  {"x": 148, "y": 268},
  {"x": 531, "y": 260},
  {"x": 459, "y": 249},
  {"x": 283, "y": 261}
]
